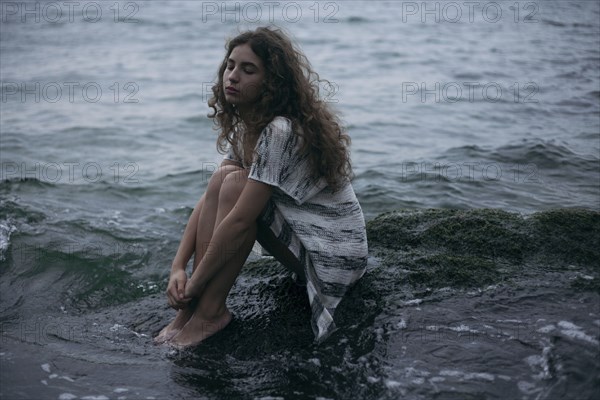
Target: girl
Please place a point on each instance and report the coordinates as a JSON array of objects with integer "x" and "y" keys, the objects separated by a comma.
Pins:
[{"x": 284, "y": 182}]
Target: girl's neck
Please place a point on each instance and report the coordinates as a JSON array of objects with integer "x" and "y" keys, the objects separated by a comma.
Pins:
[{"x": 244, "y": 113}]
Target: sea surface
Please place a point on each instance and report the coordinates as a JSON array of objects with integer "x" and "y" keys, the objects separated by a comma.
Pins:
[{"x": 105, "y": 147}]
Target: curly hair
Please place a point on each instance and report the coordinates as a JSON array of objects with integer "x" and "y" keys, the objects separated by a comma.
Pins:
[{"x": 290, "y": 89}]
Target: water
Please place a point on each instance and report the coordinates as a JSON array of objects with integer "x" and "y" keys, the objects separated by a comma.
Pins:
[{"x": 105, "y": 148}]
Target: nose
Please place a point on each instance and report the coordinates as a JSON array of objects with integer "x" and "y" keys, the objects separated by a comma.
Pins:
[{"x": 234, "y": 75}]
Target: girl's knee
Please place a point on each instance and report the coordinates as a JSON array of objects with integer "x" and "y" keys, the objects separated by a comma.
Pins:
[
  {"x": 236, "y": 176},
  {"x": 232, "y": 186},
  {"x": 218, "y": 177}
]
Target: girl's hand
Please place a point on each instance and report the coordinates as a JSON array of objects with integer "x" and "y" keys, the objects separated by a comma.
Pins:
[
  {"x": 192, "y": 289},
  {"x": 176, "y": 289}
]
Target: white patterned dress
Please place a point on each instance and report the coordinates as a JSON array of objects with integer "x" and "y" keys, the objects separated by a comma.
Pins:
[{"x": 325, "y": 230}]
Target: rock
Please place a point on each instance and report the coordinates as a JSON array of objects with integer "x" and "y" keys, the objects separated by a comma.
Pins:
[{"x": 471, "y": 248}]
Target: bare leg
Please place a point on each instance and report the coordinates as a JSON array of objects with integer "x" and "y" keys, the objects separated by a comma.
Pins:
[
  {"x": 211, "y": 314},
  {"x": 202, "y": 222},
  {"x": 269, "y": 242}
]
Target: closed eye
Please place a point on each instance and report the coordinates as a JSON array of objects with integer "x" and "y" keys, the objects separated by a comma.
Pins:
[{"x": 248, "y": 67}]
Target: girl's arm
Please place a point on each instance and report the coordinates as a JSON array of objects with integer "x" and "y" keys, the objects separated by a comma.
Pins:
[
  {"x": 230, "y": 234},
  {"x": 178, "y": 277},
  {"x": 187, "y": 246},
  {"x": 188, "y": 241}
]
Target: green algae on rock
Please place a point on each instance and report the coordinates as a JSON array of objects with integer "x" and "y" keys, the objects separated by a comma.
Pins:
[
  {"x": 472, "y": 248},
  {"x": 569, "y": 234}
]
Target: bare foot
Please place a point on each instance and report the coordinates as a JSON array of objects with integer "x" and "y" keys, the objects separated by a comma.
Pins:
[
  {"x": 167, "y": 333},
  {"x": 197, "y": 329}
]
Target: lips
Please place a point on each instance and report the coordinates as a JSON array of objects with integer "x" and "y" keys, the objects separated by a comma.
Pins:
[{"x": 231, "y": 89}]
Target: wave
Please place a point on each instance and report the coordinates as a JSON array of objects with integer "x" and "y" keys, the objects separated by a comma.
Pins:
[
  {"x": 547, "y": 154},
  {"x": 544, "y": 153},
  {"x": 77, "y": 275}
]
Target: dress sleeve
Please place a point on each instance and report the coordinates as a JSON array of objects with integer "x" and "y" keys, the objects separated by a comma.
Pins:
[
  {"x": 279, "y": 163},
  {"x": 230, "y": 155}
]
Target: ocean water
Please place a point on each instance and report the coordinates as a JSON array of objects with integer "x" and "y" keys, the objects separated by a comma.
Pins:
[{"x": 105, "y": 148}]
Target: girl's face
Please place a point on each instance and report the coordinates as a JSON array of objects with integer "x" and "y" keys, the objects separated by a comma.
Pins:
[{"x": 243, "y": 77}]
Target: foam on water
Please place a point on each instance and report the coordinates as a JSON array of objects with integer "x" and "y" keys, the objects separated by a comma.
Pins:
[
  {"x": 6, "y": 229},
  {"x": 462, "y": 328},
  {"x": 573, "y": 331},
  {"x": 547, "y": 328}
]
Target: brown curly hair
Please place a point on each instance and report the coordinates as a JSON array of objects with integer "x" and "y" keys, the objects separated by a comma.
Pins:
[{"x": 290, "y": 89}]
